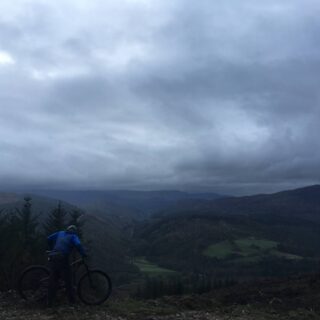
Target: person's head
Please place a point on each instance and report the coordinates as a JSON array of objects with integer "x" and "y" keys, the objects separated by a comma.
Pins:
[{"x": 72, "y": 229}]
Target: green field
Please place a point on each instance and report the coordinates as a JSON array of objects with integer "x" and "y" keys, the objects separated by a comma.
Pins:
[
  {"x": 150, "y": 268},
  {"x": 249, "y": 249},
  {"x": 220, "y": 250}
]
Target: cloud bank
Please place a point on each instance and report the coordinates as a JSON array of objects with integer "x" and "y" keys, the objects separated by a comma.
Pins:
[{"x": 135, "y": 94}]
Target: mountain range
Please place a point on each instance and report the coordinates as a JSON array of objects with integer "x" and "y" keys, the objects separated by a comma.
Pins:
[
  {"x": 221, "y": 236},
  {"x": 134, "y": 204}
]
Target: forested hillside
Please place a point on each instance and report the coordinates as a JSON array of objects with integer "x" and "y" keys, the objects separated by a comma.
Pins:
[
  {"x": 236, "y": 238},
  {"x": 192, "y": 245}
]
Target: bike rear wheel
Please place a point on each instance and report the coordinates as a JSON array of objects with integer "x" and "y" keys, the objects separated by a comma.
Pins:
[
  {"x": 33, "y": 284},
  {"x": 94, "y": 287}
]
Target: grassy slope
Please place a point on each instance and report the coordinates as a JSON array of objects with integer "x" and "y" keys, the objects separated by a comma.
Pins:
[
  {"x": 151, "y": 268},
  {"x": 246, "y": 247}
]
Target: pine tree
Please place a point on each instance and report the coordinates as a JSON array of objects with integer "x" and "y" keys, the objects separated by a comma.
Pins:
[
  {"x": 26, "y": 223},
  {"x": 20, "y": 243},
  {"x": 75, "y": 220},
  {"x": 3, "y": 233},
  {"x": 56, "y": 221},
  {"x": 30, "y": 240}
]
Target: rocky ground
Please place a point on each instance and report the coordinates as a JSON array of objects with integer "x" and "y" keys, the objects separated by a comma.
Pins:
[{"x": 297, "y": 298}]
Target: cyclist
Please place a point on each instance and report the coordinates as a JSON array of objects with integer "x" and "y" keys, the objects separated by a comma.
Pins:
[{"x": 61, "y": 244}]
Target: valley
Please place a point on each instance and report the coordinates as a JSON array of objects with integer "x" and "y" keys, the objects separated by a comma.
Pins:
[{"x": 180, "y": 236}]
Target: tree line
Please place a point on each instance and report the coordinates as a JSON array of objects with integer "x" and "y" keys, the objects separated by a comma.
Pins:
[
  {"x": 155, "y": 287},
  {"x": 23, "y": 238}
]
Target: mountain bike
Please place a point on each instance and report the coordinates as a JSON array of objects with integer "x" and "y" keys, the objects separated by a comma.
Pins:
[{"x": 93, "y": 287}]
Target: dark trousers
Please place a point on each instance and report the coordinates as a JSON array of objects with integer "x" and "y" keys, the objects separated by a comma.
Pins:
[{"x": 60, "y": 268}]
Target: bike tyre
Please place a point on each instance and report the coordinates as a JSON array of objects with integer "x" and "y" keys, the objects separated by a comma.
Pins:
[
  {"x": 33, "y": 272},
  {"x": 81, "y": 288}
]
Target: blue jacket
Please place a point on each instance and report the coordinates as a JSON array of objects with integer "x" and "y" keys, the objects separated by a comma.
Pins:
[{"x": 63, "y": 242}]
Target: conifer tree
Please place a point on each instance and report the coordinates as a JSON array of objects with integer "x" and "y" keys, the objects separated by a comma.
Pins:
[
  {"x": 76, "y": 220},
  {"x": 20, "y": 243},
  {"x": 3, "y": 232},
  {"x": 56, "y": 221},
  {"x": 26, "y": 224}
]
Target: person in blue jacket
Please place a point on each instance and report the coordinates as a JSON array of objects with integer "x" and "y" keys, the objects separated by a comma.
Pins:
[{"x": 61, "y": 244}]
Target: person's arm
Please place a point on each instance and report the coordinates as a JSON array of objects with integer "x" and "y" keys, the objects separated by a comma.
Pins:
[
  {"x": 52, "y": 240},
  {"x": 76, "y": 242}
]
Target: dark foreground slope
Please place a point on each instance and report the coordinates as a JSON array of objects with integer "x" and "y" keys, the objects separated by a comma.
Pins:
[{"x": 296, "y": 298}]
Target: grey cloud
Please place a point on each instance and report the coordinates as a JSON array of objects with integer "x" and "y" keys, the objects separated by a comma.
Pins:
[{"x": 190, "y": 95}]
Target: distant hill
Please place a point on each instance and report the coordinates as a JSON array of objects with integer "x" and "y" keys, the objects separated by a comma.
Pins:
[
  {"x": 302, "y": 202},
  {"x": 6, "y": 197},
  {"x": 133, "y": 204}
]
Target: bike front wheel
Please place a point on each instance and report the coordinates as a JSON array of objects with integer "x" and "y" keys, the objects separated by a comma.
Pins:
[
  {"x": 94, "y": 287},
  {"x": 33, "y": 284}
]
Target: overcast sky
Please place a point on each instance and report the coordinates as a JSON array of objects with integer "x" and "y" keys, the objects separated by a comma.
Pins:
[{"x": 201, "y": 95}]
